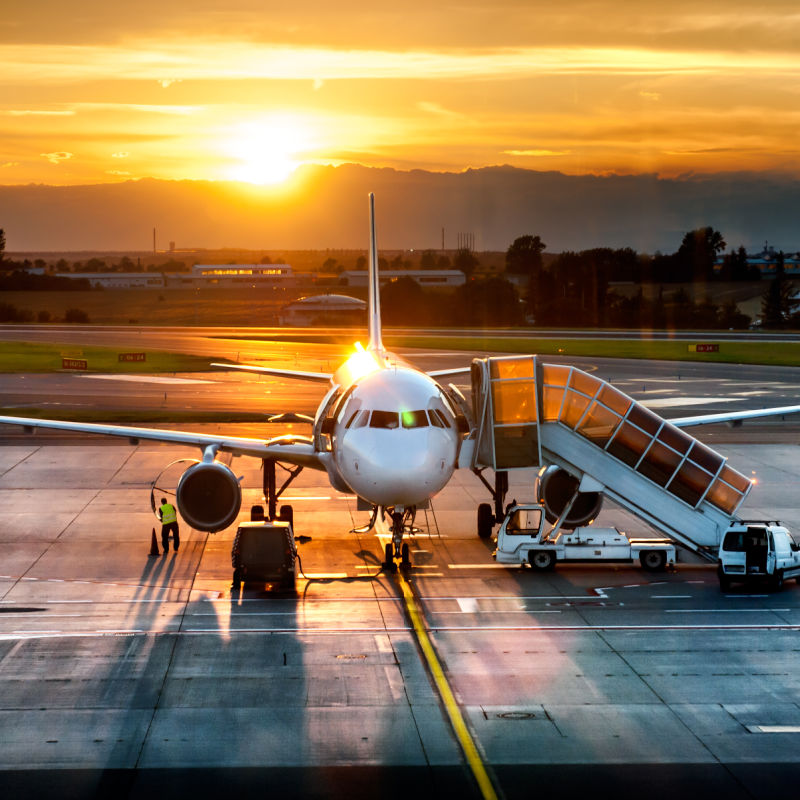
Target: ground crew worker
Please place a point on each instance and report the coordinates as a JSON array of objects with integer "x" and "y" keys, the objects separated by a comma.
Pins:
[{"x": 169, "y": 522}]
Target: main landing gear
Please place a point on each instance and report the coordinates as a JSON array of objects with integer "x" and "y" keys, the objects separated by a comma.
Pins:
[{"x": 488, "y": 517}]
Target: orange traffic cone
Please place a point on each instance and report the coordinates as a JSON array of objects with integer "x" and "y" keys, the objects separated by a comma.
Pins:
[{"x": 154, "y": 545}]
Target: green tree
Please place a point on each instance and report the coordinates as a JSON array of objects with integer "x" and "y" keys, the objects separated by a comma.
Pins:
[
  {"x": 524, "y": 256},
  {"x": 465, "y": 261},
  {"x": 404, "y": 302},
  {"x": 777, "y": 302},
  {"x": 698, "y": 252},
  {"x": 491, "y": 302},
  {"x": 427, "y": 259}
]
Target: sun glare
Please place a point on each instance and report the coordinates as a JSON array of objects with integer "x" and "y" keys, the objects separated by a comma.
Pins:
[{"x": 266, "y": 152}]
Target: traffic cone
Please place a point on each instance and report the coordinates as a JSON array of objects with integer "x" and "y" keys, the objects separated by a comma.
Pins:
[{"x": 154, "y": 545}]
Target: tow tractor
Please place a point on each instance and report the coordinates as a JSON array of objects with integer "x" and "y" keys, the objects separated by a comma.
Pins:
[{"x": 524, "y": 537}]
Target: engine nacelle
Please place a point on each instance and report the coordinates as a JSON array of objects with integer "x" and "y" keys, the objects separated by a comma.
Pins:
[
  {"x": 556, "y": 487},
  {"x": 209, "y": 496}
]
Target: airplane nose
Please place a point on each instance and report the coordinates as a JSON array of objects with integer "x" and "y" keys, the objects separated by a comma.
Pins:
[{"x": 403, "y": 475}]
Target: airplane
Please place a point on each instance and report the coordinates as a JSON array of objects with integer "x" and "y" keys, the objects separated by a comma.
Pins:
[{"x": 385, "y": 431}]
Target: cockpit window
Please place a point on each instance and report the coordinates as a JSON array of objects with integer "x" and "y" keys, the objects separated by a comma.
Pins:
[
  {"x": 352, "y": 419},
  {"x": 442, "y": 417},
  {"x": 362, "y": 420},
  {"x": 435, "y": 419},
  {"x": 414, "y": 419},
  {"x": 384, "y": 419}
]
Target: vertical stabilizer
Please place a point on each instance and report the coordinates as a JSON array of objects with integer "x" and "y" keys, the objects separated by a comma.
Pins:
[{"x": 374, "y": 301}]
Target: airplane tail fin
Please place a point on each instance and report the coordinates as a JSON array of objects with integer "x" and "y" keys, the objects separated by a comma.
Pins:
[{"x": 374, "y": 302}]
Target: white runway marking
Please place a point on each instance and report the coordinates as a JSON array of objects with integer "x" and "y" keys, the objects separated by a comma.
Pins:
[
  {"x": 773, "y": 728},
  {"x": 145, "y": 379}
]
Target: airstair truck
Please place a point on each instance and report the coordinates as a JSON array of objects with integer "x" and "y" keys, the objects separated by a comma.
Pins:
[
  {"x": 524, "y": 537},
  {"x": 591, "y": 443}
]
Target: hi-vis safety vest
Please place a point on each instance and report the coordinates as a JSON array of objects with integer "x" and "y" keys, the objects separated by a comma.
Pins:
[{"x": 168, "y": 513}]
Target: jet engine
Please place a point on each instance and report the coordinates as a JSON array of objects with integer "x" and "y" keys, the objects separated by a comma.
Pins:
[
  {"x": 209, "y": 496},
  {"x": 556, "y": 487}
]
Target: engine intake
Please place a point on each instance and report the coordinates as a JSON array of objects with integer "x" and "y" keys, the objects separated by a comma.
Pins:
[
  {"x": 556, "y": 487},
  {"x": 209, "y": 496}
]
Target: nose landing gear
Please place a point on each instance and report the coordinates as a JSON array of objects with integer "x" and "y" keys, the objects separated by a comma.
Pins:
[{"x": 402, "y": 521}]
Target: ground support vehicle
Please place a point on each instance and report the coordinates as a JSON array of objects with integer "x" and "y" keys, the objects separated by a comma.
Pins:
[
  {"x": 757, "y": 551},
  {"x": 265, "y": 552},
  {"x": 524, "y": 537}
]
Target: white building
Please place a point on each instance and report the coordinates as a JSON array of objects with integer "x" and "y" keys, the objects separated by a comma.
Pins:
[
  {"x": 424, "y": 277},
  {"x": 119, "y": 280}
]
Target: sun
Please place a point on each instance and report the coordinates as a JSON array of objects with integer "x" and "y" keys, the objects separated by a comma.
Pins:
[{"x": 266, "y": 151}]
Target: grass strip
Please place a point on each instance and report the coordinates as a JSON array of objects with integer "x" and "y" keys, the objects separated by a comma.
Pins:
[
  {"x": 769, "y": 353},
  {"x": 49, "y": 357}
]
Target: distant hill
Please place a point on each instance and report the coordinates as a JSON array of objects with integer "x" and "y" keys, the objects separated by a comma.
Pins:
[{"x": 325, "y": 207}]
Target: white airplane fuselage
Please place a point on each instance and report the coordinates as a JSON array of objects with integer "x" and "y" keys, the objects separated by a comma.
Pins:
[{"x": 394, "y": 440}]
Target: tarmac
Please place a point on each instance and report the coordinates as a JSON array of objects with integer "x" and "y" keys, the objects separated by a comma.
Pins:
[{"x": 131, "y": 675}]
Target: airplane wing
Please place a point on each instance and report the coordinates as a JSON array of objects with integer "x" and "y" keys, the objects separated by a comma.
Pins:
[
  {"x": 443, "y": 373},
  {"x": 733, "y": 416},
  {"x": 288, "y": 449},
  {"x": 281, "y": 373}
]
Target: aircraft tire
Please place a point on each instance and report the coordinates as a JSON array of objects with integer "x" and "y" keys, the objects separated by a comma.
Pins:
[
  {"x": 405, "y": 558},
  {"x": 286, "y": 513},
  {"x": 388, "y": 563},
  {"x": 485, "y": 520}
]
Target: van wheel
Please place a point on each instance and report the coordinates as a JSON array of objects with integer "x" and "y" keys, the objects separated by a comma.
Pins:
[
  {"x": 776, "y": 581},
  {"x": 653, "y": 560},
  {"x": 725, "y": 582},
  {"x": 485, "y": 520},
  {"x": 543, "y": 560}
]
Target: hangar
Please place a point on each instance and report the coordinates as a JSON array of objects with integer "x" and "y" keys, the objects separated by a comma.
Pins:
[{"x": 331, "y": 309}]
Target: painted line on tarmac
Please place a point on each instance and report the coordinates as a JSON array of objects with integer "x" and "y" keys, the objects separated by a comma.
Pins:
[
  {"x": 60, "y": 634},
  {"x": 457, "y": 721}
]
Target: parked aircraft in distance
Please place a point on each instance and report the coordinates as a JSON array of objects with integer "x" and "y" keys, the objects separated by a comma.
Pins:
[{"x": 384, "y": 431}]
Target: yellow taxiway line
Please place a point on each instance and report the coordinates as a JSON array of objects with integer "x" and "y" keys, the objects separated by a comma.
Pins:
[{"x": 459, "y": 725}]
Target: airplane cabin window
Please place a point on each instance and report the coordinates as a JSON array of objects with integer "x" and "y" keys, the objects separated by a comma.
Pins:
[
  {"x": 384, "y": 419},
  {"x": 414, "y": 419}
]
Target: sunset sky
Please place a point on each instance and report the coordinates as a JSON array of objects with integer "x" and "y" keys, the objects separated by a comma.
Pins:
[{"x": 92, "y": 91}]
